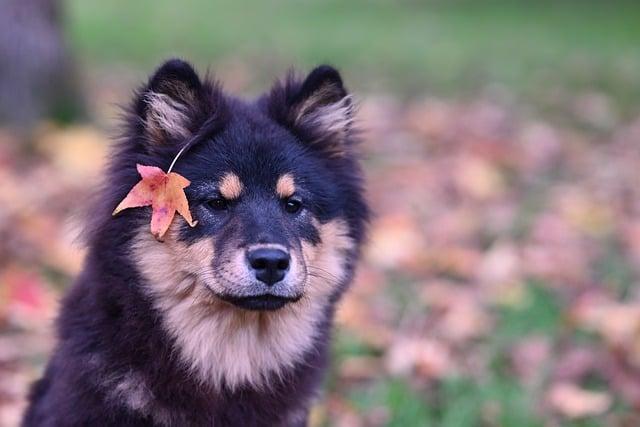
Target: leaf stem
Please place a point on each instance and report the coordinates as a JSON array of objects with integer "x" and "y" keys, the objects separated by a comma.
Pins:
[{"x": 175, "y": 159}]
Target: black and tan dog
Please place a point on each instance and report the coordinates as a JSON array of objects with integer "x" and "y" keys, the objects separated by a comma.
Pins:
[{"x": 226, "y": 323}]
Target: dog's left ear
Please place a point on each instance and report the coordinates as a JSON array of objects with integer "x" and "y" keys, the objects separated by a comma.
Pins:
[
  {"x": 175, "y": 103},
  {"x": 318, "y": 110},
  {"x": 166, "y": 103}
]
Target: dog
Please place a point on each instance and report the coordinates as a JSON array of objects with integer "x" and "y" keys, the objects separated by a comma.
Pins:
[{"x": 226, "y": 323}]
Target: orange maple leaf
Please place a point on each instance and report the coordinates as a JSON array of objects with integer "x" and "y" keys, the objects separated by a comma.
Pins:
[{"x": 164, "y": 192}]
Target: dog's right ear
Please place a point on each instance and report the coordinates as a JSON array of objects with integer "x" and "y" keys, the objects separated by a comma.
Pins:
[
  {"x": 170, "y": 105},
  {"x": 318, "y": 109}
]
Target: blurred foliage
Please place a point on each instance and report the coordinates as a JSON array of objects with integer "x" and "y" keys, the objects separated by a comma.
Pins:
[
  {"x": 409, "y": 46},
  {"x": 500, "y": 285}
]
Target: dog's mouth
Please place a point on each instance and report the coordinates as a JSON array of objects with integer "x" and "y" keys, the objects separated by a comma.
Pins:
[{"x": 265, "y": 302}]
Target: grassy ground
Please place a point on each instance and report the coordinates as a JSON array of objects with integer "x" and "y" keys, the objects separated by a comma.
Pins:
[{"x": 404, "y": 46}]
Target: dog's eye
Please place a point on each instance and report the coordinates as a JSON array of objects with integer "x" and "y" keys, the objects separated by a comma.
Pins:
[
  {"x": 292, "y": 205},
  {"x": 218, "y": 204}
]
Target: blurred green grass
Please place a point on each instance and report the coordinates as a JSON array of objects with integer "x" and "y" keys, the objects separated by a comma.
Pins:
[
  {"x": 405, "y": 46},
  {"x": 495, "y": 399}
]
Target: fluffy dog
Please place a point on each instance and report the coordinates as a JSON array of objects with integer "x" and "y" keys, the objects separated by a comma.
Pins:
[{"x": 226, "y": 323}]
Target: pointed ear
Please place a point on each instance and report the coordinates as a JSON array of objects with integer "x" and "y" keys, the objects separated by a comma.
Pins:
[
  {"x": 169, "y": 102},
  {"x": 318, "y": 110}
]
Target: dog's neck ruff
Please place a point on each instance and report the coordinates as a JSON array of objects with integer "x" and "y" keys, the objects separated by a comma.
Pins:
[{"x": 221, "y": 344}]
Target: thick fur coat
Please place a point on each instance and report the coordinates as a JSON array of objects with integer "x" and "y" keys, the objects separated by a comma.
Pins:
[{"x": 204, "y": 328}]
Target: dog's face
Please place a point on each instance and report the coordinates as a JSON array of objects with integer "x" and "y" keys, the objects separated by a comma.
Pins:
[
  {"x": 260, "y": 200},
  {"x": 275, "y": 187}
]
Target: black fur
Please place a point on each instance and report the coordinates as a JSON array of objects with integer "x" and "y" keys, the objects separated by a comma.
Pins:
[{"x": 108, "y": 325}]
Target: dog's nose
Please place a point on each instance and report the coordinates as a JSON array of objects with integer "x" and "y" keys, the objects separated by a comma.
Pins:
[{"x": 269, "y": 264}]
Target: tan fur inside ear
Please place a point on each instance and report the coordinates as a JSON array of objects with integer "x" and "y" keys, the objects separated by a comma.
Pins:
[
  {"x": 333, "y": 120},
  {"x": 336, "y": 117},
  {"x": 316, "y": 100},
  {"x": 167, "y": 116}
]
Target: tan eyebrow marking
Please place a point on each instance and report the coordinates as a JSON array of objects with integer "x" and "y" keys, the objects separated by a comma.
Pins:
[
  {"x": 285, "y": 186},
  {"x": 230, "y": 186}
]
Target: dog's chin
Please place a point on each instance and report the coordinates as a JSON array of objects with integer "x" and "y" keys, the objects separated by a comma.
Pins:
[{"x": 265, "y": 302}]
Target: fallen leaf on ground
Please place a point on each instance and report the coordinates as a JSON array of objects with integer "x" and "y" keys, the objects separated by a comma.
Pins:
[
  {"x": 78, "y": 150},
  {"x": 25, "y": 299},
  {"x": 426, "y": 357},
  {"x": 575, "y": 402}
]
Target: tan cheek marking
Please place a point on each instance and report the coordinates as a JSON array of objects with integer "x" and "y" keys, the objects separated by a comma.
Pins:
[
  {"x": 285, "y": 186},
  {"x": 230, "y": 186},
  {"x": 171, "y": 264},
  {"x": 327, "y": 258}
]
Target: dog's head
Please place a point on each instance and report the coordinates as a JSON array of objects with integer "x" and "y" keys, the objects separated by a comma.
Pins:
[{"x": 275, "y": 185}]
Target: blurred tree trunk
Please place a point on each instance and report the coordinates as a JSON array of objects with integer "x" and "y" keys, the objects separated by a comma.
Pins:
[{"x": 36, "y": 75}]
